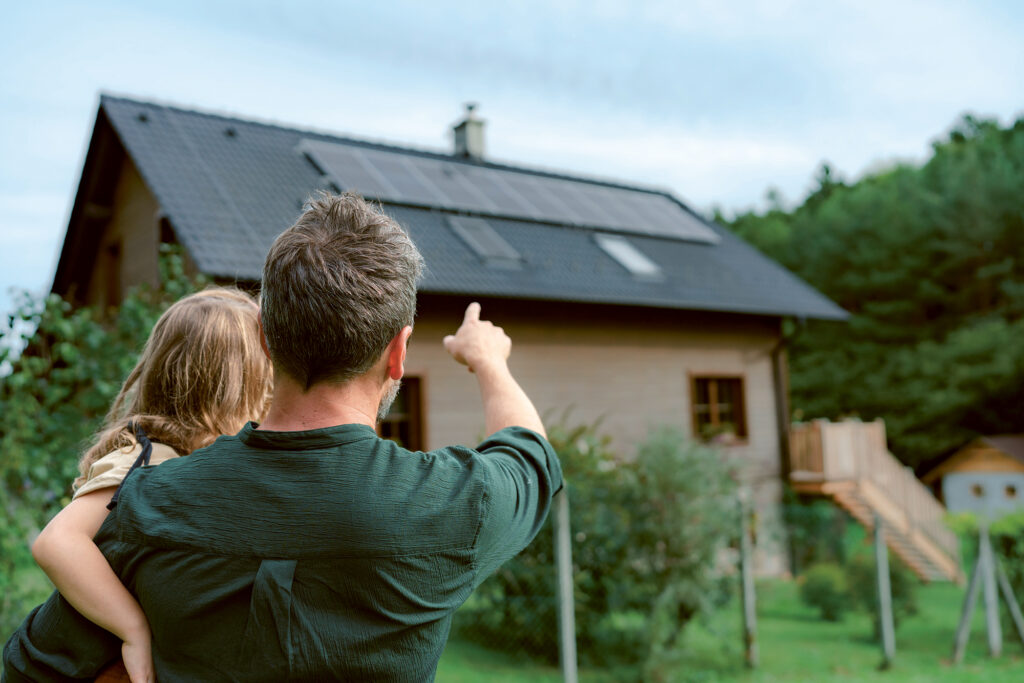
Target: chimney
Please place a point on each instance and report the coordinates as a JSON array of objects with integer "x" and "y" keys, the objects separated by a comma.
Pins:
[{"x": 469, "y": 135}]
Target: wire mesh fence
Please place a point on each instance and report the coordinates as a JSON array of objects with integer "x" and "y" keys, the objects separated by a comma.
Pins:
[
  {"x": 516, "y": 611},
  {"x": 631, "y": 611},
  {"x": 647, "y": 537}
]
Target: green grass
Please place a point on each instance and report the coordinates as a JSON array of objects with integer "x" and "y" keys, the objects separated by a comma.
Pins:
[
  {"x": 465, "y": 662},
  {"x": 795, "y": 645}
]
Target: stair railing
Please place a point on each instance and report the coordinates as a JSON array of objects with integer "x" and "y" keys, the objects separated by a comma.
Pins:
[{"x": 852, "y": 450}]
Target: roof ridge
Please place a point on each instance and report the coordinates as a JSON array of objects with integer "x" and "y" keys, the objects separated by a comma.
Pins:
[{"x": 391, "y": 146}]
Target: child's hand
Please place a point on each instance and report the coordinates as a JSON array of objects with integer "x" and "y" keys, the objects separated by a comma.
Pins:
[{"x": 138, "y": 658}]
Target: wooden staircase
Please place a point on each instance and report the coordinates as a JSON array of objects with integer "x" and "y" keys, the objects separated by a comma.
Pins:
[{"x": 849, "y": 463}]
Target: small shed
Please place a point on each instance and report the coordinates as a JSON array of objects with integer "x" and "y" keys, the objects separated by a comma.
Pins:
[{"x": 984, "y": 476}]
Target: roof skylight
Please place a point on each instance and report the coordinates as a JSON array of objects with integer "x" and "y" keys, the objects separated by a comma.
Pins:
[
  {"x": 628, "y": 256},
  {"x": 485, "y": 241}
]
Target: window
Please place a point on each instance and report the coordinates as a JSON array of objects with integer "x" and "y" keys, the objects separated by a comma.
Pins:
[
  {"x": 1011, "y": 491},
  {"x": 485, "y": 242},
  {"x": 977, "y": 490},
  {"x": 719, "y": 412},
  {"x": 404, "y": 422},
  {"x": 112, "y": 273},
  {"x": 628, "y": 256}
]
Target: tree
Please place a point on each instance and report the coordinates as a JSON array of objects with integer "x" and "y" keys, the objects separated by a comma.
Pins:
[
  {"x": 65, "y": 367},
  {"x": 929, "y": 261}
]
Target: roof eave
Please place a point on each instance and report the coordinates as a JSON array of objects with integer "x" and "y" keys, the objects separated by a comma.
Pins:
[{"x": 104, "y": 147}]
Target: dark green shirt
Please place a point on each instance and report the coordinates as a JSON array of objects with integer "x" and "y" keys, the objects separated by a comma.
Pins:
[{"x": 329, "y": 554}]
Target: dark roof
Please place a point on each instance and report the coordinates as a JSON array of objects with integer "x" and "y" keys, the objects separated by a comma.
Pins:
[
  {"x": 1010, "y": 444},
  {"x": 230, "y": 186}
]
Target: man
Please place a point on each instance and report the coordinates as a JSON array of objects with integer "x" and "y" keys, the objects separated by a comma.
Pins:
[{"x": 306, "y": 547}]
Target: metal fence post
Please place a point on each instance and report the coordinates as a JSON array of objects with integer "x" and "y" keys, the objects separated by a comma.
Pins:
[
  {"x": 566, "y": 607},
  {"x": 963, "y": 629},
  {"x": 989, "y": 589},
  {"x": 1011, "y": 601},
  {"x": 884, "y": 596},
  {"x": 747, "y": 585}
]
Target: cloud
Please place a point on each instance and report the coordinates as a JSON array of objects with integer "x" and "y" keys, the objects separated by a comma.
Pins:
[{"x": 718, "y": 101}]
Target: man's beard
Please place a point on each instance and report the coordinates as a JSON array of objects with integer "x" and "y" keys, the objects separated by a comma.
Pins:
[{"x": 388, "y": 398}]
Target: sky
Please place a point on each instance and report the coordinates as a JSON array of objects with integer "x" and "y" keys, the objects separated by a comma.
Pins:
[{"x": 716, "y": 101}]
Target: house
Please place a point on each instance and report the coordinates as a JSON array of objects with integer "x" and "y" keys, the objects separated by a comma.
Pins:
[
  {"x": 623, "y": 303},
  {"x": 985, "y": 476}
]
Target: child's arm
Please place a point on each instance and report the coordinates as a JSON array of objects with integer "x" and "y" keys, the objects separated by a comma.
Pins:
[{"x": 66, "y": 552}]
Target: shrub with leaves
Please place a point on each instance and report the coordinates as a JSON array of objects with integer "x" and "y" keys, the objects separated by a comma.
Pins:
[
  {"x": 646, "y": 534},
  {"x": 862, "y": 577},
  {"x": 62, "y": 368},
  {"x": 816, "y": 530},
  {"x": 1008, "y": 544},
  {"x": 823, "y": 587},
  {"x": 1007, "y": 535}
]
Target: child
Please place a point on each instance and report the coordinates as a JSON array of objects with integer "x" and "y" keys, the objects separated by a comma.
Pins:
[{"x": 202, "y": 373}]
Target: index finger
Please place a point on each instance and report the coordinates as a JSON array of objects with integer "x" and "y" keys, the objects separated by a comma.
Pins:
[{"x": 472, "y": 313}]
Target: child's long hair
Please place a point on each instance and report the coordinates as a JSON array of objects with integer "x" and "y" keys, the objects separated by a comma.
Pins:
[{"x": 201, "y": 374}]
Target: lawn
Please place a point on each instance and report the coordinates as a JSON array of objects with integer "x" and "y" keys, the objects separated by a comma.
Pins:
[{"x": 795, "y": 645}]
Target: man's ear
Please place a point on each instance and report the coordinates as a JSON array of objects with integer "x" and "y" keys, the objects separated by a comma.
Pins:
[
  {"x": 263, "y": 336},
  {"x": 396, "y": 353}
]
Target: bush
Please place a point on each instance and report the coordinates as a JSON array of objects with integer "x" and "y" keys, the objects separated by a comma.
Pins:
[
  {"x": 646, "y": 535},
  {"x": 60, "y": 369},
  {"x": 1008, "y": 544},
  {"x": 1007, "y": 534},
  {"x": 862, "y": 575},
  {"x": 824, "y": 588},
  {"x": 817, "y": 531}
]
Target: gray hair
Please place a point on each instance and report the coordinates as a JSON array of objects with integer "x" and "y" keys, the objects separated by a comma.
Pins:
[{"x": 337, "y": 287}]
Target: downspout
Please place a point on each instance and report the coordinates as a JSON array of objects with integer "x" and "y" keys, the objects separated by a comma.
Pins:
[{"x": 780, "y": 385}]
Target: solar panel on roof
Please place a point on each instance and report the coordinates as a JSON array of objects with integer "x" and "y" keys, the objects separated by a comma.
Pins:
[
  {"x": 410, "y": 187},
  {"x": 586, "y": 203},
  {"x": 608, "y": 202},
  {"x": 346, "y": 170},
  {"x": 417, "y": 180},
  {"x": 452, "y": 182},
  {"x": 503, "y": 195}
]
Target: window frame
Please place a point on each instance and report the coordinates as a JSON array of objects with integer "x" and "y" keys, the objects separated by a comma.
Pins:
[
  {"x": 416, "y": 416},
  {"x": 742, "y": 435}
]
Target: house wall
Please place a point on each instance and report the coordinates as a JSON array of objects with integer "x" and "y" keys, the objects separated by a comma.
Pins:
[
  {"x": 627, "y": 368},
  {"x": 129, "y": 247},
  {"x": 989, "y": 493}
]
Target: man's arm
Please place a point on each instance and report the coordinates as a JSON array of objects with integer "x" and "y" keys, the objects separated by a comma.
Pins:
[
  {"x": 485, "y": 349},
  {"x": 520, "y": 466}
]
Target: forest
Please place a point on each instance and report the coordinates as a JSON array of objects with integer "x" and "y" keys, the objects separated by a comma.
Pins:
[{"x": 929, "y": 261}]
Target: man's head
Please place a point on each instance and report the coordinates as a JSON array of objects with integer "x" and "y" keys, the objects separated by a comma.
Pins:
[{"x": 338, "y": 286}]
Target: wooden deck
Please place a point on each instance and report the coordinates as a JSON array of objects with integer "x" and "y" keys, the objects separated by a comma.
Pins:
[{"x": 849, "y": 463}]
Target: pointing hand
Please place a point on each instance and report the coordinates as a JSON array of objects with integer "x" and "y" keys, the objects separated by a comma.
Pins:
[{"x": 477, "y": 342}]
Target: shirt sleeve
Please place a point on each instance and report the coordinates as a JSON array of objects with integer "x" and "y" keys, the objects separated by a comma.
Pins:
[
  {"x": 110, "y": 470},
  {"x": 56, "y": 643},
  {"x": 522, "y": 475}
]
